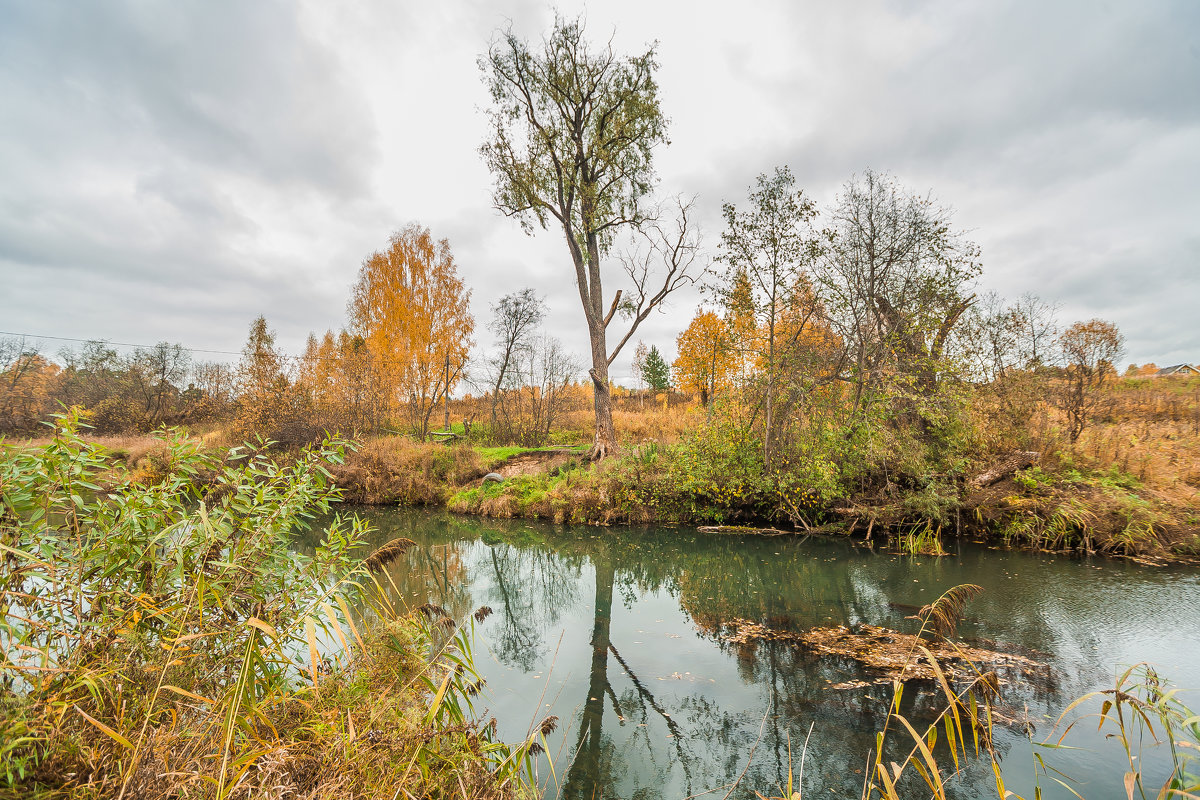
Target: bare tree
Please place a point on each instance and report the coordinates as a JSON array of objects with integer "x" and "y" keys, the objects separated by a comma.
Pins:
[
  {"x": 639, "y": 366},
  {"x": 514, "y": 320},
  {"x": 534, "y": 395},
  {"x": 895, "y": 277},
  {"x": 1037, "y": 327},
  {"x": 157, "y": 376},
  {"x": 664, "y": 256},
  {"x": 990, "y": 341},
  {"x": 551, "y": 370},
  {"x": 216, "y": 384}
]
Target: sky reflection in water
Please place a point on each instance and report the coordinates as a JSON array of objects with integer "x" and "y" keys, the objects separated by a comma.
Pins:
[{"x": 625, "y": 635}]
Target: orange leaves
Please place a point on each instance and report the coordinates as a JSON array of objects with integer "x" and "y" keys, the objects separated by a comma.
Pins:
[
  {"x": 705, "y": 364},
  {"x": 413, "y": 312}
]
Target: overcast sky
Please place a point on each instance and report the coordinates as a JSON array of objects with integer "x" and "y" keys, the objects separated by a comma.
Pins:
[{"x": 170, "y": 170}]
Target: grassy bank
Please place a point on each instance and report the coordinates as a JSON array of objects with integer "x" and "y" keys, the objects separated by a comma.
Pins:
[
  {"x": 160, "y": 638},
  {"x": 1060, "y": 509},
  {"x": 1059, "y": 504},
  {"x": 1128, "y": 486}
]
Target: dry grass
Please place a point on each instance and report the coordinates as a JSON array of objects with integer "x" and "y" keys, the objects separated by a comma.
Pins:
[
  {"x": 396, "y": 469},
  {"x": 657, "y": 422},
  {"x": 1129, "y": 485}
]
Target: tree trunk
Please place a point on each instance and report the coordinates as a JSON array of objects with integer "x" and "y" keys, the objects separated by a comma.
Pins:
[
  {"x": 446, "y": 394},
  {"x": 1011, "y": 463},
  {"x": 605, "y": 443}
]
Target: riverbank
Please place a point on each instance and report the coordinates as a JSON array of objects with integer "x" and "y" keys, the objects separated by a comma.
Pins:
[
  {"x": 1053, "y": 504},
  {"x": 1126, "y": 489}
]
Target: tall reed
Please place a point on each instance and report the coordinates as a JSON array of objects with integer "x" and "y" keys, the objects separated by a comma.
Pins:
[{"x": 160, "y": 637}]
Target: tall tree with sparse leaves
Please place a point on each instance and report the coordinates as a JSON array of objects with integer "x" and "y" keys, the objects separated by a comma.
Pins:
[
  {"x": 515, "y": 319},
  {"x": 768, "y": 247},
  {"x": 573, "y": 134}
]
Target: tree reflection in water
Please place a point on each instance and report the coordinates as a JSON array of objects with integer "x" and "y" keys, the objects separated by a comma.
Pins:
[{"x": 646, "y": 726}]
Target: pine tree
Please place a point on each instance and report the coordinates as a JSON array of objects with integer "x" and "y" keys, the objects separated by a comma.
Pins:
[{"x": 656, "y": 373}]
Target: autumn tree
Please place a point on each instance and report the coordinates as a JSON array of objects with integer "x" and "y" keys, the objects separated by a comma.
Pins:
[
  {"x": 26, "y": 382},
  {"x": 214, "y": 388},
  {"x": 135, "y": 392},
  {"x": 740, "y": 319},
  {"x": 263, "y": 385},
  {"x": 704, "y": 364},
  {"x": 1089, "y": 351},
  {"x": 413, "y": 312},
  {"x": 808, "y": 352},
  {"x": 156, "y": 376},
  {"x": 768, "y": 247},
  {"x": 334, "y": 374},
  {"x": 573, "y": 134},
  {"x": 93, "y": 377},
  {"x": 896, "y": 278}
]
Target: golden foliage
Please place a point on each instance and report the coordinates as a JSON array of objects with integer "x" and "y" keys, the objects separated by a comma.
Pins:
[
  {"x": 706, "y": 363},
  {"x": 335, "y": 375},
  {"x": 413, "y": 312},
  {"x": 743, "y": 327},
  {"x": 26, "y": 380}
]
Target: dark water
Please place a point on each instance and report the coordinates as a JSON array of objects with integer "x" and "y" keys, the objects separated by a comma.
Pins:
[{"x": 624, "y": 634}]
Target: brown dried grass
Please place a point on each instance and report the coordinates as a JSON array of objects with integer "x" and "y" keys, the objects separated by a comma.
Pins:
[
  {"x": 396, "y": 469},
  {"x": 657, "y": 422}
]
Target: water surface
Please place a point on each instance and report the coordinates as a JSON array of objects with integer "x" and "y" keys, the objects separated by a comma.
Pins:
[{"x": 626, "y": 636}]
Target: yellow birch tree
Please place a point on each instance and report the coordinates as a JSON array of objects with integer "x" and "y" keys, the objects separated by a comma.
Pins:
[
  {"x": 705, "y": 363},
  {"x": 413, "y": 312}
]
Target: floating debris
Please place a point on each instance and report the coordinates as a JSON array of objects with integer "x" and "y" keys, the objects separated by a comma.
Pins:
[
  {"x": 743, "y": 530},
  {"x": 892, "y": 654}
]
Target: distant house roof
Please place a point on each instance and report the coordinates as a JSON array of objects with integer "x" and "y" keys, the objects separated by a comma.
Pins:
[{"x": 1178, "y": 369}]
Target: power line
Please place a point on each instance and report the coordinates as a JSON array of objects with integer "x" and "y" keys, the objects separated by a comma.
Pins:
[
  {"x": 118, "y": 344},
  {"x": 279, "y": 355}
]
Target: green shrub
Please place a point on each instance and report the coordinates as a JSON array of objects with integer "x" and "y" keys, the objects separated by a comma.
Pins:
[{"x": 162, "y": 638}]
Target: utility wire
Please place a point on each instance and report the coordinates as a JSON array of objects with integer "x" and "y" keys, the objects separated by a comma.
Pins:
[
  {"x": 118, "y": 344},
  {"x": 278, "y": 355}
]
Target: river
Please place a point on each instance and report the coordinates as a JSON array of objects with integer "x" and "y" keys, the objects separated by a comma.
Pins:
[{"x": 627, "y": 635}]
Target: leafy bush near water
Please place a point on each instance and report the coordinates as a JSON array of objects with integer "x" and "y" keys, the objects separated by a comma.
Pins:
[{"x": 162, "y": 639}]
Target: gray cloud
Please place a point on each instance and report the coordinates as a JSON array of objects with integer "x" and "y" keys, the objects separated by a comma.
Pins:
[{"x": 173, "y": 170}]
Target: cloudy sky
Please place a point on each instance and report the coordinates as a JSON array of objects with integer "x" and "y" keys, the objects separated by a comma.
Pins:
[{"x": 170, "y": 170}]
